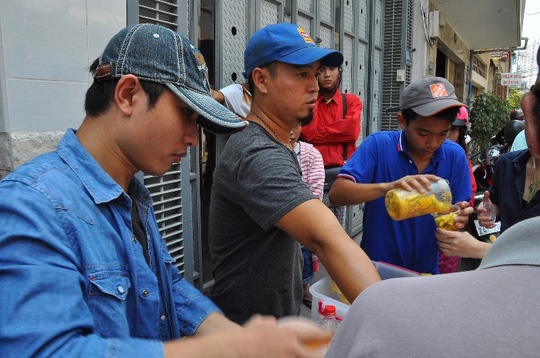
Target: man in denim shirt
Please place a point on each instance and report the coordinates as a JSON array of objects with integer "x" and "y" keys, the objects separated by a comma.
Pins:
[{"x": 83, "y": 268}]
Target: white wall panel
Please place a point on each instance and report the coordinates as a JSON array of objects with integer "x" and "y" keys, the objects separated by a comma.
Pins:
[
  {"x": 40, "y": 106},
  {"x": 48, "y": 46}
]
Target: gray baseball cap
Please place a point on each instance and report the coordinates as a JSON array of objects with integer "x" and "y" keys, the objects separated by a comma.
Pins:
[{"x": 429, "y": 96}]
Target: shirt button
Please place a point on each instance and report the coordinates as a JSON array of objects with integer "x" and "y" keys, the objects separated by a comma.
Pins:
[
  {"x": 162, "y": 317},
  {"x": 145, "y": 293},
  {"x": 134, "y": 239},
  {"x": 120, "y": 289}
]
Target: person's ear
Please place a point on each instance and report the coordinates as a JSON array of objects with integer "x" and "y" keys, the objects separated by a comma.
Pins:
[
  {"x": 125, "y": 93},
  {"x": 260, "y": 77},
  {"x": 401, "y": 121}
]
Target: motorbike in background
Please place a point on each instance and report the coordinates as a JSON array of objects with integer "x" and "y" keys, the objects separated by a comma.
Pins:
[
  {"x": 484, "y": 162},
  {"x": 484, "y": 166}
]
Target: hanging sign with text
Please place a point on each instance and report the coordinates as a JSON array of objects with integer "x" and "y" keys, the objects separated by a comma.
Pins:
[{"x": 511, "y": 79}]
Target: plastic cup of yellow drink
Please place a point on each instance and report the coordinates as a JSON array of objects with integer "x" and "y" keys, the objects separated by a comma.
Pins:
[
  {"x": 311, "y": 336},
  {"x": 446, "y": 220}
]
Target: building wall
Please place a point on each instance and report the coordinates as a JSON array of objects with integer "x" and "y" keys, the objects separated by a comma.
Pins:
[
  {"x": 430, "y": 40},
  {"x": 481, "y": 82},
  {"x": 424, "y": 46},
  {"x": 456, "y": 51},
  {"x": 45, "y": 49}
]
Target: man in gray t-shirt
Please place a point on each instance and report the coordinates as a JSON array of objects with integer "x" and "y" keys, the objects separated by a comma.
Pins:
[
  {"x": 260, "y": 209},
  {"x": 247, "y": 200}
]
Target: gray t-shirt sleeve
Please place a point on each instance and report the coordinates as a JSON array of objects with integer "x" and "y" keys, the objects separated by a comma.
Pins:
[{"x": 260, "y": 176}]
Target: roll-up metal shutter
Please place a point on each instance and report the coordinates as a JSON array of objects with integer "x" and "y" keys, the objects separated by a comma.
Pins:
[{"x": 398, "y": 15}]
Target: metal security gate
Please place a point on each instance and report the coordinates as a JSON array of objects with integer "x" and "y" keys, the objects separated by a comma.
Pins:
[
  {"x": 168, "y": 199},
  {"x": 398, "y": 16}
]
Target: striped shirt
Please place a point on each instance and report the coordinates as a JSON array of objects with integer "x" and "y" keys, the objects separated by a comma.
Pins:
[{"x": 312, "y": 166}]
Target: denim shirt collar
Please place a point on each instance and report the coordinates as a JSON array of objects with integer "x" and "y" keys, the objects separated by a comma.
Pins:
[{"x": 99, "y": 184}]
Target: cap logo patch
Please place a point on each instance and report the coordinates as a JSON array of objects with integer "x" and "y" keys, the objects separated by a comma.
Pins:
[
  {"x": 305, "y": 35},
  {"x": 438, "y": 90},
  {"x": 201, "y": 63}
]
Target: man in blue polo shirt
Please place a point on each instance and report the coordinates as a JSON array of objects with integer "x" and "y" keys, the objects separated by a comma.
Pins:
[{"x": 409, "y": 159}]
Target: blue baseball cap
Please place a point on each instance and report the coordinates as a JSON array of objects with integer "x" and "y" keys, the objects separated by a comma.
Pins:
[
  {"x": 157, "y": 54},
  {"x": 287, "y": 43}
]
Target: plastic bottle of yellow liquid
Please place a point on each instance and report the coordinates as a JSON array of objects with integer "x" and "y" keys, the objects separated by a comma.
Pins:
[{"x": 401, "y": 204}]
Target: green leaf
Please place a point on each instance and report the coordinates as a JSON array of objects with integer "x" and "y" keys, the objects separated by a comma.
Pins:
[{"x": 488, "y": 115}]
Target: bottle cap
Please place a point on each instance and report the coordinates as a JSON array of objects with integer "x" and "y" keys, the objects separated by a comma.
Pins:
[{"x": 329, "y": 310}]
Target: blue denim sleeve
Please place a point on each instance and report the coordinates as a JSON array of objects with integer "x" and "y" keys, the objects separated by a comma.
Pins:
[
  {"x": 42, "y": 309},
  {"x": 192, "y": 307}
]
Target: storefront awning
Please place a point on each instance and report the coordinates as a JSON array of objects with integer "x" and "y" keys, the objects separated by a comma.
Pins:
[{"x": 484, "y": 24}]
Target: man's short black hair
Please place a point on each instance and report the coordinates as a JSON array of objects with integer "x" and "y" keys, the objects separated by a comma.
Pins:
[
  {"x": 448, "y": 114},
  {"x": 100, "y": 95}
]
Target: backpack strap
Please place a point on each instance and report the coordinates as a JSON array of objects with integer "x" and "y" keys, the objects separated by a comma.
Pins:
[{"x": 344, "y": 105}]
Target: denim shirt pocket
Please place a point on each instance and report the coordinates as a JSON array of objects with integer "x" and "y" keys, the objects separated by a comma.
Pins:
[
  {"x": 107, "y": 301},
  {"x": 115, "y": 285}
]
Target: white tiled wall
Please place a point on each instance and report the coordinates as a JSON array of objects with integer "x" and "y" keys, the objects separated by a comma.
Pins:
[{"x": 46, "y": 48}]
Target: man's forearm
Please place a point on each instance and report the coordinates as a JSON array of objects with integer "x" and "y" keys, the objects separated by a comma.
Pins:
[
  {"x": 217, "y": 322},
  {"x": 349, "y": 266},
  {"x": 347, "y": 192}
]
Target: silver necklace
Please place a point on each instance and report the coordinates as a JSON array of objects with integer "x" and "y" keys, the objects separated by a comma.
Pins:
[{"x": 267, "y": 126}]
